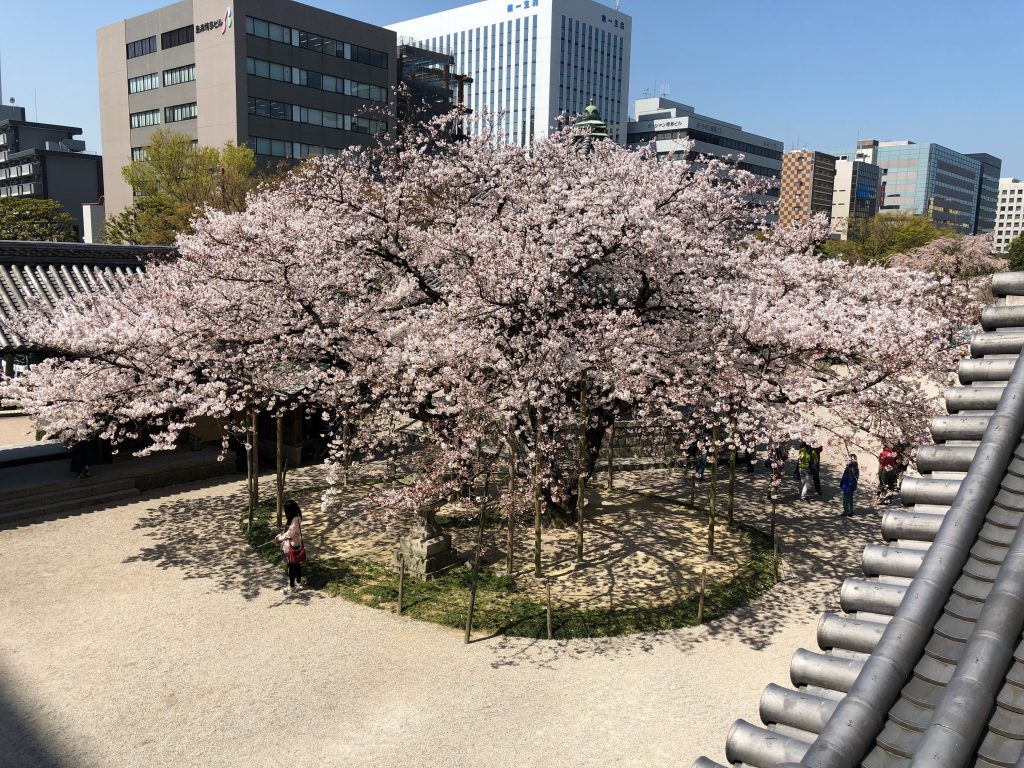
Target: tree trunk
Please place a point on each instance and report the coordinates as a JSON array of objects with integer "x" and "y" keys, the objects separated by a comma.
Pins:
[
  {"x": 713, "y": 491},
  {"x": 280, "y": 469}
]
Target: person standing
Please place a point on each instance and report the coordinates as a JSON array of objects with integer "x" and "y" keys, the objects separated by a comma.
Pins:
[
  {"x": 848, "y": 484},
  {"x": 806, "y": 464},
  {"x": 886, "y": 474},
  {"x": 816, "y": 469},
  {"x": 291, "y": 543}
]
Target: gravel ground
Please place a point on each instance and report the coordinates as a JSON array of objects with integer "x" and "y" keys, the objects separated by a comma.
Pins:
[
  {"x": 16, "y": 430},
  {"x": 149, "y": 635}
]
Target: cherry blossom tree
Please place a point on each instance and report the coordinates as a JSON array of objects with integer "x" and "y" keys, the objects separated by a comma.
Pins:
[{"x": 511, "y": 303}]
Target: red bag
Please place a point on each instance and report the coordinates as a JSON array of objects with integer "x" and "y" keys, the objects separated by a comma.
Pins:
[{"x": 297, "y": 555}]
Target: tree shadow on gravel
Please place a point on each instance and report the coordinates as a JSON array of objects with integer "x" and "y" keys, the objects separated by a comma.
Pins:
[
  {"x": 201, "y": 538},
  {"x": 819, "y": 550}
]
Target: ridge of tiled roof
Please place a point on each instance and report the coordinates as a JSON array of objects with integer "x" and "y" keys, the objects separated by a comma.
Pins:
[
  {"x": 54, "y": 271},
  {"x": 925, "y": 665}
]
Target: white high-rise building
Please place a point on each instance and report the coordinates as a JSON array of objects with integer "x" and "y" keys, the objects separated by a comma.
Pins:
[
  {"x": 534, "y": 59},
  {"x": 1009, "y": 213}
]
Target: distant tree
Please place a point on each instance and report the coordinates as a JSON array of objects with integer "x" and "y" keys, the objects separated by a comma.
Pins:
[
  {"x": 176, "y": 182},
  {"x": 875, "y": 240},
  {"x": 27, "y": 218},
  {"x": 1015, "y": 254}
]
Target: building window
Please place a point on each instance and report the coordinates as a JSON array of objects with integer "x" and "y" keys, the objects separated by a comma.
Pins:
[
  {"x": 139, "y": 154},
  {"x": 141, "y": 47},
  {"x": 178, "y": 75},
  {"x": 176, "y": 37},
  {"x": 143, "y": 119},
  {"x": 314, "y": 42},
  {"x": 143, "y": 83},
  {"x": 316, "y": 80},
  {"x": 180, "y": 112}
]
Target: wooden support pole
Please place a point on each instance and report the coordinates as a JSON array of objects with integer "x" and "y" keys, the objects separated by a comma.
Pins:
[
  {"x": 280, "y": 469},
  {"x": 476, "y": 566},
  {"x": 547, "y": 585},
  {"x": 401, "y": 583},
  {"x": 775, "y": 560},
  {"x": 700, "y": 601},
  {"x": 611, "y": 456}
]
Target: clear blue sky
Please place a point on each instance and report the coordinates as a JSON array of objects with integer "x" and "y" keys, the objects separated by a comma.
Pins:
[{"x": 813, "y": 73}]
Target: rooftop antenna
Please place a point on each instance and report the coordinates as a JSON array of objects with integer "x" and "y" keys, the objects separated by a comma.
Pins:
[
  {"x": 617, "y": 4},
  {"x": 664, "y": 90}
]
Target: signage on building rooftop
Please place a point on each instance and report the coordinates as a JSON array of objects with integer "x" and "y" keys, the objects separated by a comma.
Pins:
[{"x": 223, "y": 24}]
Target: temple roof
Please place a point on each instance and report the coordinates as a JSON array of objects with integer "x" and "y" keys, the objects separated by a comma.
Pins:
[
  {"x": 53, "y": 271},
  {"x": 925, "y": 662}
]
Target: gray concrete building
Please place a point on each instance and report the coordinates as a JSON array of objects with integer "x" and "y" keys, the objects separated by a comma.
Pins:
[
  {"x": 288, "y": 79},
  {"x": 670, "y": 124},
  {"x": 46, "y": 161}
]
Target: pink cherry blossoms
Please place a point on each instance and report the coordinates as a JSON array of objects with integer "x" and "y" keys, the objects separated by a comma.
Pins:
[{"x": 478, "y": 300}]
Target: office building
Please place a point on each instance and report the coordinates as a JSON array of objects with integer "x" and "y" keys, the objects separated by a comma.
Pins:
[
  {"x": 1009, "y": 224},
  {"x": 670, "y": 124},
  {"x": 855, "y": 192},
  {"x": 46, "y": 161},
  {"x": 432, "y": 87},
  {"x": 807, "y": 186},
  {"x": 988, "y": 192},
  {"x": 287, "y": 79},
  {"x": 954, "y": 189},
  {"x": 532, "y": 60}
]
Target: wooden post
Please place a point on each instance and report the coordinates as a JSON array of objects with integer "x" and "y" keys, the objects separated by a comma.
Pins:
[
  {"x": 346, "y": 441},
  {"x": 581, "y": 480},
  {"x": 611, "y": 456},
  {"x": 775, "y": 559},
  {"x": 700, "y": 601},
  {"x": 536, "y": 503},
  {"x": 256, "y": 457},
  {"x": 280, "y": 468},
  {"x": 401, "y": 583},
  {"x": 251, "y": 506},
  {"x": 509, "y": 559},
  {"x": 713, "y": 491},
  {"x": 732, "y": 474},
  {"x": 476, "y": 565},
  {"x": 693, "y": 486},
  {"x": 547, "y": 585},
  {"x": 772, "y": 531}
]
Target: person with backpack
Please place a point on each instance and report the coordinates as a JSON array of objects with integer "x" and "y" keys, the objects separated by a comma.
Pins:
[
  {"x": 848, "y": 484},
  {"x": 887, "y": 460},
  {"x": 291, "y": 544}
]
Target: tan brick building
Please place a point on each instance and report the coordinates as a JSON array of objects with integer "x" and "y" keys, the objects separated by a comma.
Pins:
[{"x": 807, "y": 183}]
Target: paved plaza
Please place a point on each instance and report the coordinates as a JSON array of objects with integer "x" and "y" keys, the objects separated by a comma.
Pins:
[{"x": 150, "y": 635}]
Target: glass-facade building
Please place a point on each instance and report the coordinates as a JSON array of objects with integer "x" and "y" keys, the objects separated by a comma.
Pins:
[
  {"x": 533, "y": 60},
  {"x": 954, "y": 189}
]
